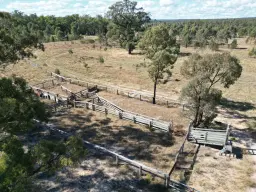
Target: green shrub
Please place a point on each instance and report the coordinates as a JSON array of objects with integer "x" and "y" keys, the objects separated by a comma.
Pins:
[
  {"x": 101, "y": 59},
  {"x": 105, "y": 49},
  {"x": 252, "y": 52},
  {"x": 213, "y": 45},
  {"x": 86, "y": 65},
  {"x": 70, "y": 51},
  {"x": 233, "y": 45},
  {"x": 57, "y": 71}
]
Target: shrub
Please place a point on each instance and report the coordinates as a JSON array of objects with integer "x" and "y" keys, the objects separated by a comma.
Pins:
[
  {"x": 101, "y": 59},
  {"x": 86, "y": 65},
  {"x": 105, "y": 49},
  {"x": 70, "y": 51},
  {"x": 57, "y": 71},
  {"x": 82, "y": 41},
  {"x": 252, "y": 52},
  {"x": 233, "y": 45},
  {"x": 213, "y": 45}
]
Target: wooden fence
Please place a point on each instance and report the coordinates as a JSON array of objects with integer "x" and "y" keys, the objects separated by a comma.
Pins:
[
  {"x": 141, "y": 167},
  {"x": 47, "y": 84},
  {"x": 209, "y": 136},
  {"x": 48, "y": 94},
  {"x": 152, "y": 123},
  {"x": 179, "y": 152},
  {"x": 160, "y": 100}
]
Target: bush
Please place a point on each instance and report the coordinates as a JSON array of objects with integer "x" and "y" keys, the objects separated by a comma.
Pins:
[
  {"x": 105, "y": 49},
  {"x": 86, "y": 65},
  {"x": 101, "y": 59},
  {"x": 213, "y": 45},
  {"x": 70, "y": 51},
  {"x": 57, "y": 71},
  {"x": 252, "y": 52},
  {"x": 233, "y": 45}
]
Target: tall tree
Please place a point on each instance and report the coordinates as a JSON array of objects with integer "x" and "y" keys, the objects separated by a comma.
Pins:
[
  {"x": 17, "y": 41},
  {"x": 20, "y": 161},
  {"x": 161, "y": 48},
  {"x": 127, "y": 19},
  {"x": 205, "y": 72}
]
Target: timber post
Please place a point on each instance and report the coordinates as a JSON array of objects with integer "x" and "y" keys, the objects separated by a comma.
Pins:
[
  {"x": 167, "y": 179},
  {"x": 120, "y": 115},
  {"x": 140, "y": 171},
  {"x": 116, "y": 160}
]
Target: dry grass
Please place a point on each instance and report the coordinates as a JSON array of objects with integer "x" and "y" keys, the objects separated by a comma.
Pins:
[
  {"x": 221, "y": 173},
  {"x": 132, "y": 140},
  {"x": 160, "y": 112}
]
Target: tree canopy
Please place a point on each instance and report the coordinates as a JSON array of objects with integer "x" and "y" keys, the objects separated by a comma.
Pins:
[
  {"x": 161, "y": 48},
  {"x": 127, "y": 20},
  {"x": 19, "y": 160},
  {"x": 205, "y": 72}
]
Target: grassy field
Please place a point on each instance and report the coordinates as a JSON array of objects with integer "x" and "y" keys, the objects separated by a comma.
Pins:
[
  {"x": 135, "y": 141},
  {"x": 125, "y": 70}
]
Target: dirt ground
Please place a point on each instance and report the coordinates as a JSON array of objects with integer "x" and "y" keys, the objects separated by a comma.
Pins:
[
  {"x": 134, "y": 141},
  {"x": 213, "y": 172},
  {"x": 173, "y": 114}
]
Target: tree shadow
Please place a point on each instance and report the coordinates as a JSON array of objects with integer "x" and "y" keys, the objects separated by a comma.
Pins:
[
  {"x": 184, "y": 54},
  {"x": 236, "y": 105}
]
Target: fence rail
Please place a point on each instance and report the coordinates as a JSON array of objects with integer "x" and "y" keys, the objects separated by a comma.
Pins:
[
  {"x": 161, "y": 100},
  {"x": 180, "y": 151},
  {"x": 141, "y": 167},
  {"x": 152, "y": 123},
  {"x": 209, "y": 136}
]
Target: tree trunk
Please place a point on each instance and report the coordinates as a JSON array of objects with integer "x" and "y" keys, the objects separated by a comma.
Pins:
[
  {"x": 154, "y": 97},
  {"x": 129, "y": 50}
]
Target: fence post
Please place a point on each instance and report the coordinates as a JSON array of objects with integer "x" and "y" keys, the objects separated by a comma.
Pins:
[
  {"x": 140, "y": 97},
  {"x": 116, "y": 160},
  {"x": 93, "y": 107},
  {"x": 120, "y": 115},
  {"x": 67, "y": 103},
  {"x": 183, "y": 107},
  {"x": 87, "y": 105},
  {"x": 128, "y": 95},
  {"x": 167, "y": 179},
  {"x": 52, "y": 83},
  {"x": 167, "y": 104},
  {"x": 134, "y": 119},
  {"x": 227, "y": 134},
  {"x": 93, "y": 100},
  {"x": 117, "y": 92},
  {"x": 150, "y": 124},
  {"x": 74, "y": 104},
  {"x": 140, "y": 172},
  {"x": 106, "y": 111}
]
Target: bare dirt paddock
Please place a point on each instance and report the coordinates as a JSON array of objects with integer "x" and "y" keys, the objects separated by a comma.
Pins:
[{"x": 134, "y": 141}]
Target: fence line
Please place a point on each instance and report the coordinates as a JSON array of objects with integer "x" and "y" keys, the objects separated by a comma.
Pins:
[
  {"x": 123, "y": 91},
  {"x": 47, "y": 84},
  {"x": 152, "y": 123},
  {"x": 180, "y": 151},
  {"x": 141, "y": 167}
]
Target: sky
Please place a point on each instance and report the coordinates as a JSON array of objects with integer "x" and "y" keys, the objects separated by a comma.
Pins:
[{"x": 158, "y": 9}]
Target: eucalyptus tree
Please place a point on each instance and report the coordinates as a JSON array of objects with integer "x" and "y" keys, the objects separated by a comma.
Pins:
[
  {"x": 162, "y": 49},
  {"x": 205, "y": 72},
  {"x": 127, "y": 20}
]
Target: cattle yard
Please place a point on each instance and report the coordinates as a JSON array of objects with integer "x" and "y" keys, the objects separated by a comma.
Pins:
[{"x": 153, "y": 139}]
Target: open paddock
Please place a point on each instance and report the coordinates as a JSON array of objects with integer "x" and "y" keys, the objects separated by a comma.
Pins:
[{"x": 156, "y": 150}]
